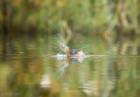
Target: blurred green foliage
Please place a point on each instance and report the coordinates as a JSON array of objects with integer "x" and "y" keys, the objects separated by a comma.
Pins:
[
  {"x": 89, "y": 15},
  {"x": 29, "y": 20},
  {"x": 30, "y": 29}
]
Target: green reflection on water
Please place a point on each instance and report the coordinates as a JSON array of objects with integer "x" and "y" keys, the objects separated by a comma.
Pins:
[{"x": 114, "y": 75}]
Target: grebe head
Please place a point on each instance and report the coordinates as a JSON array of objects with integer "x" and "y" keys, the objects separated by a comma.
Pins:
[{"x": 65, "y": 48}]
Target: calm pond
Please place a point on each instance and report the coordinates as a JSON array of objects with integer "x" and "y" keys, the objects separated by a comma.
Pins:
[{"x": 35, "y": 71}]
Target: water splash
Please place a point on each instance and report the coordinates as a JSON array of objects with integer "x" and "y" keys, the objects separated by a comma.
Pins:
[{"x": 79, "y": 56}]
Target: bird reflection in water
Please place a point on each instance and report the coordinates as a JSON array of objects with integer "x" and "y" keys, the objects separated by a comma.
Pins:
[{"x": 69, "y": 56}]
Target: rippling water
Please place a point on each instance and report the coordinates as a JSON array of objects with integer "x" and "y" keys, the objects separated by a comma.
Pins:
[
  {"x": 32, "y": 72},
  {"x": 40, "y": 76}
]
